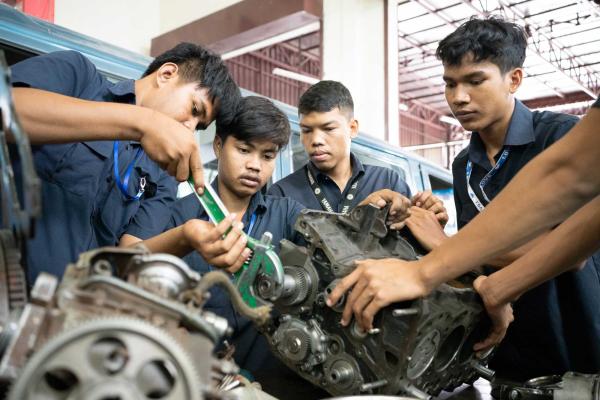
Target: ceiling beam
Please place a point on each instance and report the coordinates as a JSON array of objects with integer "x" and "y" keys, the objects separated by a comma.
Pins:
[
  {"x": 449, "y": 21},
  {"x": 551, "y": 51}
]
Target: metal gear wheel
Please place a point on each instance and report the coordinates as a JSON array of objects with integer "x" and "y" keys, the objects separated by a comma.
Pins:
[
  {"x": 116, "y": 358},
  {"x": 12, "y": 275}
]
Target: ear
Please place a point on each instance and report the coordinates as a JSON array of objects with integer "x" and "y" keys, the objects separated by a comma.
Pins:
[
  {"x": 166, "y": 73},
  {"x": 353, "y": 128},
  {"x": 217, "y": 146},
  {"x": 516, "y": 78}
]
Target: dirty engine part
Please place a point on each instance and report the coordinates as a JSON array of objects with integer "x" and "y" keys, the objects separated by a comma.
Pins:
[{"x": 417, "y": 348}]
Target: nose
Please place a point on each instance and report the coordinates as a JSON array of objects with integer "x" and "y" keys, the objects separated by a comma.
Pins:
[
  {"x": 191, "y": 123},
  {"x": 460, "y": 96},
  {"x": 253, "y": 162},
  {"x": 317, "y": 138}
]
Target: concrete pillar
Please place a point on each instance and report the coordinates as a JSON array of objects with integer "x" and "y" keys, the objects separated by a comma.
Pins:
[{"x": 355, "y": 53}]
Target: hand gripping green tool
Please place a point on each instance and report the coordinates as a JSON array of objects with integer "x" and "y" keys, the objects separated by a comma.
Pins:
[{"x": 261, "y": 277}]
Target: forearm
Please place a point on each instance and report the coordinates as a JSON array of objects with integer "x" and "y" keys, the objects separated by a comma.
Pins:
[
  {"x": 172, "y": 241},
  {"x": 569, "y": 244},
  {"x": 557, "y": 182},
  {"x": 53, "y": 118},
  {"x": 505, "y": 259}
]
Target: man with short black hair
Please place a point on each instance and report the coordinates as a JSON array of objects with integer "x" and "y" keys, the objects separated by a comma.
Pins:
[
  {"x": 98, "y": 145},
  {"x": 246, "y": 150},
  {"x": 483, "y": 62},
  {"x": 334, "y": 179}
]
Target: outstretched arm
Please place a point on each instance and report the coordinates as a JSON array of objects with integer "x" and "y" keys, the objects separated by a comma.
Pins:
[
  {"x": 544, "y": 193},
  {"x": 49, "y": 117}
]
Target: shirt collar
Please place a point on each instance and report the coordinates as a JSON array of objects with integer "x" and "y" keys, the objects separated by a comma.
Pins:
[
  {"x": 520, "y": 128},
  {"x": 357, "y": 168},
  {"x": 257, "y": 202},
  {"x": 520, "y": 132}
]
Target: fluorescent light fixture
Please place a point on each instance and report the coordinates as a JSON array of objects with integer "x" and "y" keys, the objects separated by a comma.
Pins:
[
  {"x": 402, "y": 107},
  {"x": 449, "y": 120},
  {"x": 295, "y": 76},
  {"x": 294, "y": 33}
]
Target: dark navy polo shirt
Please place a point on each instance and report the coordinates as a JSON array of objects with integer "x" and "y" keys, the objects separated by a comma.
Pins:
[
  {"x": 82, "y": 207},
  {"x": 273, "y": 214},
  {"x": 557, "y": 324},
  {"x": 372, "y": 179},
  {"x": 597, "y": 103}
]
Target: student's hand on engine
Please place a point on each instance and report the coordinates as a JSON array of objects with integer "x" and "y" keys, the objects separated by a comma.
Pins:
[
  {"x": 425, "y": 227},
  {"x": 227, "y": 252},
  {"x": 427, "y": 201},
  {"x": 399, "y": 206},
  {"x": 172, "y": 146},
  {"x": 375, "y": 284},
  {"x": 500, "y": 313}
]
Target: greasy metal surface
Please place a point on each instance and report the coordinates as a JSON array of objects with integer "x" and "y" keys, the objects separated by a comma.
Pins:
[
  {"x": 116, "y": 309},
  {"x": 110, "y": 358},
  {"x": 417, "y": 348},
  {"x": 16, "y": 215}
]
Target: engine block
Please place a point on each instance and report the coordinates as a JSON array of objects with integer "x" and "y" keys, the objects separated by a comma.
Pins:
[
  {"x": 123, "y": 323},
  {"x": 416, "y": 348}
]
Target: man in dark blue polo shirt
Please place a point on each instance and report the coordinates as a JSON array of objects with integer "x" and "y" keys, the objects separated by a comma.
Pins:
[
  {"x": 95, "y": 144},
  {"x": 334, "y": 179},
  {"x": 246, "y": 150},
  {"x": 557, "y": 324},
  {"x": 483, "y": 69}
]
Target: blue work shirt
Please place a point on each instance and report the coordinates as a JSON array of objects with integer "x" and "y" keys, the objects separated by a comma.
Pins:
[
  {"x": 273, "y": 214},
  {"x": 557, "y": 324},
  {"x": 82, "y": 207},
  {"x": 276, "y": 215},
  {"x": 371, "y": 179}
]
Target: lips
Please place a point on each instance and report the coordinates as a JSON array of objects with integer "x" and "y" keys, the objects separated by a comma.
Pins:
[
  {"x": 465, "y": 114},
  {"x": 250, "y": 180},
  {"x": 319, "y": 156}
]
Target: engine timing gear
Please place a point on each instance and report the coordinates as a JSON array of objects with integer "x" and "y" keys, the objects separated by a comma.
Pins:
[{"x": 109, "y": 358}]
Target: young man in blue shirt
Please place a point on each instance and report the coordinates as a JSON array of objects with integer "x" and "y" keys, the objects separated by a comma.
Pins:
[
  {"x": 99, "y": 146},
  {"x": 246, "y": 150},
  {"x": 557, "y": 324},
  {"x": 334, "y": 179}
]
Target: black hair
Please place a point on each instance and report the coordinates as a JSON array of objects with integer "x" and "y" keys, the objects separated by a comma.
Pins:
[
  {"x": 197, "y": 64},
  {"x": 324, "y": 96},
  {"x": 492, "y": 39},
  {"x": 257, "y": 119}
]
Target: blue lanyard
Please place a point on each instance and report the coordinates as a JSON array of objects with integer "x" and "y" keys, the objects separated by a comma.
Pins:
[
  {"x": 122, "y": 184},
  {"x": 484, "y": 181},
  {"x": 251, "y": 224}
]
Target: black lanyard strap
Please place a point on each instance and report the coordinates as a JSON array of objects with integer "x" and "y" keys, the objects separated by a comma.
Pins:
[{"x": 323, "y": 200}]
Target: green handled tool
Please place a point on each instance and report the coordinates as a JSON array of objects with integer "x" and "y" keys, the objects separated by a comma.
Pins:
[{"x": 263, "y": 272}]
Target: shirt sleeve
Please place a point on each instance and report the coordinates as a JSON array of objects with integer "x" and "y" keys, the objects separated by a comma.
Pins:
[
  {"x": 65, "y": 72},
  {"x": 557, "y": 126},
  {"x": 154, "y": 214},
  {"x": 294, "y": 211},
  {"x": 398, "y": 185}
]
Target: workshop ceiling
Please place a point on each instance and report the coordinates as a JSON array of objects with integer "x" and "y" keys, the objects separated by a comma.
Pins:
[{"x": 563, "y": 56}]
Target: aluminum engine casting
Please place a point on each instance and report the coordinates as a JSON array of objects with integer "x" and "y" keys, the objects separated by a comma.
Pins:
[
  {"x": 123, "y": 323},
  {"x": 417, "y": 348}
]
